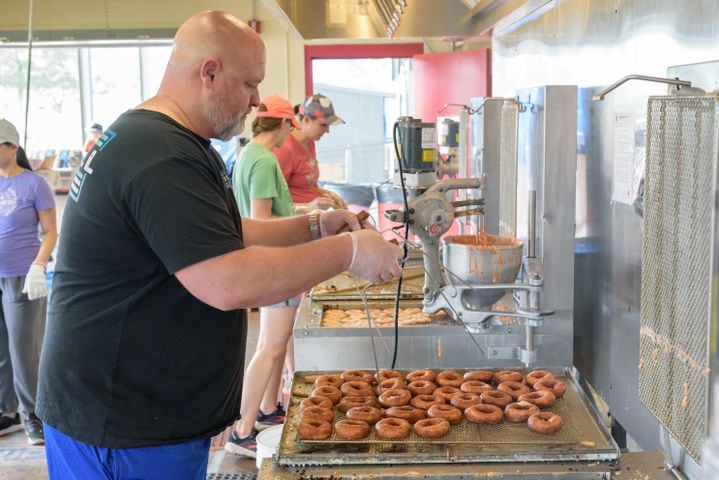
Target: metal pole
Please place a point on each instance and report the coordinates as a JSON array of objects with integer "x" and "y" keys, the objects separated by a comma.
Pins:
[
  {"x": 29, "y": 69},
  {"x": 531, "y": 230}
]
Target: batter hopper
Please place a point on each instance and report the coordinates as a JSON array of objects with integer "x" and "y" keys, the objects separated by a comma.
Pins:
[{"x": 481, "y": 260}]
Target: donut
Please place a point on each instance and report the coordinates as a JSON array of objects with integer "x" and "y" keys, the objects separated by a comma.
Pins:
[
  {"x": 316, "y": 402},
  {"x": 406, "y": 412},
  {"x": 387, "y": 374},
  {"x": 369, "y": 415},
  {"x": 389, "y": 384},
  {"x": 496, "y": 398},
  {"x": 392, "y": 428},
  {"x": 476, "y": 386},
  {"x": 356, "y": 376},
  {"x": 449, "y": 378},
  {"x": 354, "y": 388},
  {"x": 479, "y": 375},
  {"x": 513, "y": 389},
  {"x": 431, "y": 427},
  {"x": 351, "y": 402},
  {"x": 447, "y": 392},
  {"x": 452, "y": 414},
  {"x": 332, "y": 393},
  {"x": 535, "y": 375},
  {"x": 465, "y": 400},
  {"x": 421, "y": 387},
  {"x": 507, "y": 376},
  {"x": 544, "y": 422},
  {"x": 331, "y": 380},
  {"x": 555, "y": 385},
  {"x": 485, "y": 414},
  {"x": 541, "y": 398},
  {"x": 317, "y": 413},
  {"x": 426, "y": 401},
  {"x": 395, "y": 397},
  {"x": 428, "y": 375},
  {"x": 352, "y": 429},
  {"x": 519, "y": 412},
  {"x": 314, "y": 429}
]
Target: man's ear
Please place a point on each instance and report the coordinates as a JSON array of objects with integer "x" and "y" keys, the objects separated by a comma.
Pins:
[{"x": 208, "y": 70}]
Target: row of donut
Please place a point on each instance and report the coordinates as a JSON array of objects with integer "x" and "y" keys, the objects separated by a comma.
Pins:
[
  {"x": 393, "y": 391},
  {"x": 443, "y": 378},
  {"x": 358, "y": 318},
  {"x": 316, "y": 418}
]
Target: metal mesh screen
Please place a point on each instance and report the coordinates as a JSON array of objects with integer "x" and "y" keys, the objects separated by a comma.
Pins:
[
  {"x": 508, "y": 171},
  {"x": 680, "y": 185}
]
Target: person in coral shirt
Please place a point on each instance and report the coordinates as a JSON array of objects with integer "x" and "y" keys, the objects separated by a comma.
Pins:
[{"x": 298, "y": 159}]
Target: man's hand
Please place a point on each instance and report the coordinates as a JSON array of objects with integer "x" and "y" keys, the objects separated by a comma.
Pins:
[
  {"x": 334, "y": 220},
  {"x": 374, "y": 258}
]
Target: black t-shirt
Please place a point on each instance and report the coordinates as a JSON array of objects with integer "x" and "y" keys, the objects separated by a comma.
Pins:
[{"x": 130, "y": 357}]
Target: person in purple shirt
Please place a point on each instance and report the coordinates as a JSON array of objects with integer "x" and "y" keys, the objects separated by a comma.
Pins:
[{"x": 26, "y": 201}]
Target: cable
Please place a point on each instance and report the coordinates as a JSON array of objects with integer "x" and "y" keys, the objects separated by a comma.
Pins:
[{"x": 395, "y": 131}]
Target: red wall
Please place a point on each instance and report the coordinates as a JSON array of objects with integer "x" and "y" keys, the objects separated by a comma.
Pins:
[{"x": 452, "y": 77}]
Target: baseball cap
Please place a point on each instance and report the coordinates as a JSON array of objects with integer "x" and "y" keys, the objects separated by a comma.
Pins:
[
  {"x": 96, "y": 127},
  {"x": 320, "y": 106},
  {"x": 8, "y": 133},
  {"x": 278, "y": 107}
]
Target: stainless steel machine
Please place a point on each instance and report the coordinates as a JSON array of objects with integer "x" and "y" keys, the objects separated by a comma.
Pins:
[
  {"x": 546, "y": 163},
  {"x": 509, "y": 305}
]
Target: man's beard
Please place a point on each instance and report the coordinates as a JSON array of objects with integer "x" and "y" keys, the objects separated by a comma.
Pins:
[{"x": 224, "y": 125}]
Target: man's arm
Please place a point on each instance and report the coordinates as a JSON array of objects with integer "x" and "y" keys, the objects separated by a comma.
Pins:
[
  {"x": 274, "y": 232},
  {"x": 257, "y": 276}
]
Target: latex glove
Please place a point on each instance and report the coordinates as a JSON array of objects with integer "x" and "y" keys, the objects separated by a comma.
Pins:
[
  {"x": 338, "y": 201},
  {"x": 35, "y": 282},
  {"x": 321, "y": 203},
  {"x": 374, "y": 258},
  {"x": 332, "y": 220}
]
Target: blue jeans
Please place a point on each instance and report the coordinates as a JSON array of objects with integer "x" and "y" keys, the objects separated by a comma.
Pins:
[{"x": 69, "y": 459}]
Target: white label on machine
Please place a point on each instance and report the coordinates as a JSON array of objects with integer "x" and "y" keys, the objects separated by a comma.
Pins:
[
  {"x": 623, "y": 158},
  {"x": 429, "y": 138}
]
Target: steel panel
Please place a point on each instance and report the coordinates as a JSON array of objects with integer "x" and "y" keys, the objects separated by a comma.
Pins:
[{"x": 592, "y": 43}]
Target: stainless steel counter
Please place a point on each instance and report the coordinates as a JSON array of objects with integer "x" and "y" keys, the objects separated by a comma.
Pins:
[
  {"x": 433, "y": 346},
  {"x": 632, "y": 466}
]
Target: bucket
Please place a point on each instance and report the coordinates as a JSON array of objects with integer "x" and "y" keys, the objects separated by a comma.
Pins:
[{"x": 267, "y": 442}]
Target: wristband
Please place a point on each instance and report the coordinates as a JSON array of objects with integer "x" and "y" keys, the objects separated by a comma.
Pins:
[
  {"x": 43, "y": 265},
  {"x": 354, "y": 249},
  {"x": 314, "y": 222}
]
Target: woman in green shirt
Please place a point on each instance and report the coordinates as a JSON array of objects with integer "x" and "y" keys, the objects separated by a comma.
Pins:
[{"x": 262, "y": 193}]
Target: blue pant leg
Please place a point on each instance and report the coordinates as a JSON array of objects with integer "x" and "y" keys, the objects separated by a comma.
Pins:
[
  {"x": 183, "y": 461},
  {"x": 69, "y": 459}
]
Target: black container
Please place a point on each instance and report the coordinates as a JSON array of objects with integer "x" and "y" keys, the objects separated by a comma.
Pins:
[
  {"x": 449, "y": 133},
  {"x": 417, "y": 142}
]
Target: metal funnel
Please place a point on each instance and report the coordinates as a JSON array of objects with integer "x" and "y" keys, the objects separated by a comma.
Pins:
[{"x": 481, "y": 260}]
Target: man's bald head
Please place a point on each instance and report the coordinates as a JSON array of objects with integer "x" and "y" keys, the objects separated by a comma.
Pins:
[
  {"x": 214, "y": 34},
  {"x": 216, "y": 64}
]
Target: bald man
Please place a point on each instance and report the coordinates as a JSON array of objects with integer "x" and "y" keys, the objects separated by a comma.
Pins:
[{"x": 143, "y": 356}]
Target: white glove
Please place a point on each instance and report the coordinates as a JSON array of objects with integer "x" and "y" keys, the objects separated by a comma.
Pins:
[
  {"x": 374, "y": 258},
  {"x": 35, "y": 282},
  {"x": 339, "y": 202}
]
